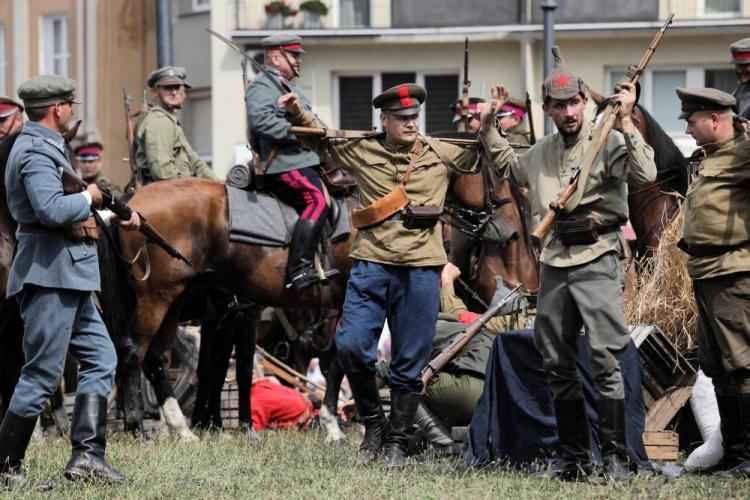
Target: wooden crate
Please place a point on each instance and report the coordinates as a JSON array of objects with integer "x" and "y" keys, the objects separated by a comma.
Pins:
[{"x": 661, "y": 445}]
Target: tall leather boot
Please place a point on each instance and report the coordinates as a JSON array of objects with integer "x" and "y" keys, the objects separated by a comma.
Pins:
[
  {"x": 88, "y": 431},
  {"x": 15, "y": 434},
  {"x": 612, "y": 438},
  {"x": 438, "y": 434},
  {"x": 730, "y": 411},
  {"x": 742, "y": 469},
  {"x": 573, "y": 462},
  {"x": 301, "y": 272},
  {"x": 367, "y": 400},
  {"x": 403, "y": 408}
]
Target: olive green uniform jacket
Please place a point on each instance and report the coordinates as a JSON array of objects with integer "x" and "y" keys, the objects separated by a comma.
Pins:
[
  {"x": 717, "y": 208},
  {"x": 162, "y": 150},
  {"x": 379, "y": 165},
  {"x": 546, "y": 168}
]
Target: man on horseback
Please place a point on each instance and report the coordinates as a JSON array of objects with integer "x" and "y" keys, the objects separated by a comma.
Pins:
[
  {"x": 161, "y": 149},
  {"x": 741, "y": 59},
  {"x": 11, "y": 120},
  {"x": 53, "y": 274},
  {"x": 398, "y": 251},
  {"x": 581, "y": 279},
  {"x": 89, "y": 156},
  {"x": 290, "y": 169},
  {"x": 717, "y": 239}
]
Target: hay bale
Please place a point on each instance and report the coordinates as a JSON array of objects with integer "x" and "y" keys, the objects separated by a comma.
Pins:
[{"x": 663, "y": 293}]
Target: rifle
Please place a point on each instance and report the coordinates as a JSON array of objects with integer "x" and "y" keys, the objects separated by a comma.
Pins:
[
  {"x": 74, "y": 184},
  {"x": 130, "y": 138},
  {"x": 329, "y": 133},
  {"x": 449, "y": 352},
  {"x": 532, "y": 134},
  {"x": 599, "y": 138},
  {"x": 463, "y": 124}
]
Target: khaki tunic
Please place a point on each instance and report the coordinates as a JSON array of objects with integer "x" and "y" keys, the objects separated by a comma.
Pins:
[
  {"x": 163, "y": 151},
  {"x": 518, "y": 134},
  {"x": 379, "y": 165},
  {"x": 546, "y": 168},
  {"x": 717, "y": 208}
]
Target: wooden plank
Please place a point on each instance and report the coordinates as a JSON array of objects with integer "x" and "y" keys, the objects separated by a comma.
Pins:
[
  {"x": 662, "y": 438},
  {"x": 662, "y": 453},
  {"x": 664, "y": 410}
]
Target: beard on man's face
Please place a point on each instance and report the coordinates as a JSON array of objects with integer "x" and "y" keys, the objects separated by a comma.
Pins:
[{"x": 570, "y": 127}]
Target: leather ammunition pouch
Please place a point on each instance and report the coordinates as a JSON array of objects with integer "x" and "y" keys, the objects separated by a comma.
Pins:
[
  {"x": 420, "y": 216},
  {"x": 385, "y": 207},
  {"x": 85, "y": 231},
  {"x": 335, "y": 179},
  {"x": 388, "y": 205},
  {"x": 581, "y": 231}
]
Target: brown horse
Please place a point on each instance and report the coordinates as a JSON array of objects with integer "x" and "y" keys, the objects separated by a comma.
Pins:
[
  {"x": 499, "y": 243},
  {"x": 192, "y": 214}
]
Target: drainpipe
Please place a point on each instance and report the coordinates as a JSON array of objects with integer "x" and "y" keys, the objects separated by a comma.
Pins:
[
  {"x": 163, "y": 33},
  {"x": 548, "y": 11}
]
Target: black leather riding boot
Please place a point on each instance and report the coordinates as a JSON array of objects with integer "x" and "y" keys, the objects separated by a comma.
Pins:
[
  {"x": 612, "y": 438},
  {"x": 403, "y": 408},
  {"x": 88, "y": 431},
  {"x": 367, "y": 400},
  {"x": 15, "y": 434},
  {"x": 573, "y": 462},
  {"x": 732, "y": 435},
  {"x": 742, "y": 469},
  {"x": 438, "y": 434},
  {"x": 301, "y": 272}
]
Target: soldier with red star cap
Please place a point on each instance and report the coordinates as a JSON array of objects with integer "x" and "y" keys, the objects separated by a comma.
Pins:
[{"x": 581, "y": 279}]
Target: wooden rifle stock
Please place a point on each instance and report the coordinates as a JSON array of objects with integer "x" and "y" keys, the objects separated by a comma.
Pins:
[
  {"x": 442, "y": 359},
  {"x": 74, "y": 184},
  {"x": 599, "y": 138}
]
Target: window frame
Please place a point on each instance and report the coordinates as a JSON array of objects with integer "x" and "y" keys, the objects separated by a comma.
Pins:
[
  {"x": 377, "y": 84},
  {"x": 47, "y": 53},
  {"x": 336, "y": 15},
  {"x": 722, "y": 14}
]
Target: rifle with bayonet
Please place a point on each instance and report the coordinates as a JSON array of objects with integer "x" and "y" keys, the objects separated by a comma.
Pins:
[
  {"x": 442, "y": 359},
  {"x": 329, "y": 133},
  {"x": 532, "y": 134},
  {"x": 74, "y": 184},
  {"x": 136, "y": 179},
  {"x": 463, "y": 125},
  {"x": 609, "y": 116}
]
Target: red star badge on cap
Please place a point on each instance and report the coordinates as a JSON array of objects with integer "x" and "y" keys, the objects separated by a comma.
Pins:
[{"x": 562, "y": 80}]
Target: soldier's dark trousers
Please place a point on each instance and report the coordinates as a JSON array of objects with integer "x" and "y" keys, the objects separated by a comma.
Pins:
[
  {"x": 56, "y": 320},
  {"x": 408, "y": 297},
  {"x": 302, "y": 189},
  {"x": 588, "y": 295}
]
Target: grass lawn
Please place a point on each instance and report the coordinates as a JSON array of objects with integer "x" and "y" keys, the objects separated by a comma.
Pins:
[{"x": 294, "y": 465}]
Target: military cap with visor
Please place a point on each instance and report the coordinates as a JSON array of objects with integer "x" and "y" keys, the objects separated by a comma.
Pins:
[
  {"x": 46, "y": 90},
  {"x": 740, "y": 51},
  {"x": 168, "y": 75},
  {"x": 89, "y": 151},
  {"x": 8, "y": 106},
  {"x": 703, "y": 99},
  {"x": 279, "y": 41},
  {"x": 513, "y": 106},
  {"x": 458, "y": 107},
  {"x": 403, "y": 100},
  {"x": 561, "y": 83}
]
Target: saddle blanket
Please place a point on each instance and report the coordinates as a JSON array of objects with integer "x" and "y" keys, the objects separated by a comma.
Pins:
[{"x": 261, "y": 219}]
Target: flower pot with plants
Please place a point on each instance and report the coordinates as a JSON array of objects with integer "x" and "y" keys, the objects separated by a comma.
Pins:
[
  {"x": 312, "y": 11},
  {"x": 276, "y": 12}
]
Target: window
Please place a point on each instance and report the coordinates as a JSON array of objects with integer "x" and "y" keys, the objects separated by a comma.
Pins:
[
  {"x": 196, "y": 118},
  {"x": 354, "y": 13},
  {"x": 3, "y": 63},
  {"x": 720, "y": 8},
  {"x": 201, "y": 5},
  {"x": 355, "y": 95},
  {"x": 722, "y": 79},
  {"x": 54, "y": 56}
]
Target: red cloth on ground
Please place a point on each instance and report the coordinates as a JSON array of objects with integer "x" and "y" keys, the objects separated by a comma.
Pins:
[{"x": 278, "y": 406}]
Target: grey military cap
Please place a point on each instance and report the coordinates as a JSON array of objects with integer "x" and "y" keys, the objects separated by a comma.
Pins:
[
  {"x": 46, "y": 90},
  {"x": 703, "y": 99},
  {"x": 168, "y": 75},
  {"x": 8, "y": 106},
  {"x": 740, "y": 51},
  {"x": 278, "y": 41},
  {"x": 561, "y": 83}
]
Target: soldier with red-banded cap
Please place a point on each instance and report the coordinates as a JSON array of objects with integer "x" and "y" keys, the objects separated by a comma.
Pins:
[
  {"x": 581, "y": 279},
  {"x": 397, "y": 260},
  {"x": 510, "y": 121},
  {"x": 741, "y": 59},
  {"x": 472, "y": 123},
  {"x": 10, "y": 117},
  {"x": 291, "y": 169}
]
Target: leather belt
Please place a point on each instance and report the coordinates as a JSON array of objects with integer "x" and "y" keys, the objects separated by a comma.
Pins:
[
  {"x": 395, "y": 217},
  {"x": 707, "y": 250},
  {"x": 613, "y": 228},
  {"x": 35, "y": 228}
]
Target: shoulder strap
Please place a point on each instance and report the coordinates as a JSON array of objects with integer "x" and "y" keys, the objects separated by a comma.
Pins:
[{"x": 414, "y": 155}]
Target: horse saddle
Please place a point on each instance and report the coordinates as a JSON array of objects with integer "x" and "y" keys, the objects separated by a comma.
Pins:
[{"x": 261, "y": 219}]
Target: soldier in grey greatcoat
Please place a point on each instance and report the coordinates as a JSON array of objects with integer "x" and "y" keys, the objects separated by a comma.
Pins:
[
  {"x": 53, "y": 276},
  {"x": 291, "y": 168}
]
